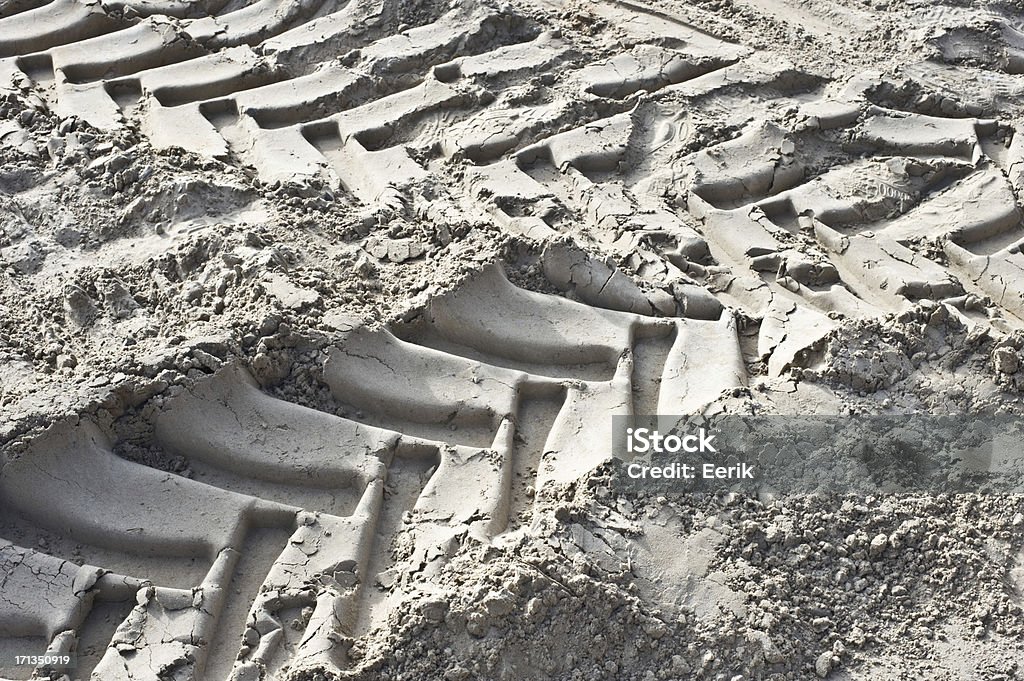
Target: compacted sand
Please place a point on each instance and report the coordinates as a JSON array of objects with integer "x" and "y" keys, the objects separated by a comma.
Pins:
[{"x": 314, "y": 316}]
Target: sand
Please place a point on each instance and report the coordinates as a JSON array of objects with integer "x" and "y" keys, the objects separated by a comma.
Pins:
[{"x": 314, "y": 317}]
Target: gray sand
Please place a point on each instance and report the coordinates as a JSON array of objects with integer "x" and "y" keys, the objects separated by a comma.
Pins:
[{"x": 314, "y": 316}]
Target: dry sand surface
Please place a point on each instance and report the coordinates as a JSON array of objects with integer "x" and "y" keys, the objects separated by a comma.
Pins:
[{"x": 314, "y": 316}]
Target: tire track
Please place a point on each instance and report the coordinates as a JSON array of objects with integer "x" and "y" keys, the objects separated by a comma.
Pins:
[
  {"x": 695, "y": 162},
  {"x": 290, "y": 579},
  {"x": 554, "y": 132}
]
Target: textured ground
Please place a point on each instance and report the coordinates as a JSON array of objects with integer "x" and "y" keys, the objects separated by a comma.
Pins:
[{"x": 313, "y": 317}]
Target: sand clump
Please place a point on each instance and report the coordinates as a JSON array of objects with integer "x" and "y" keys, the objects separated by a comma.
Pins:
[{"x": 825, "y": 596}]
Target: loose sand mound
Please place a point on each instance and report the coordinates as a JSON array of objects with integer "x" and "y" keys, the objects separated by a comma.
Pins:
[{"x": 314, "y": 316}]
